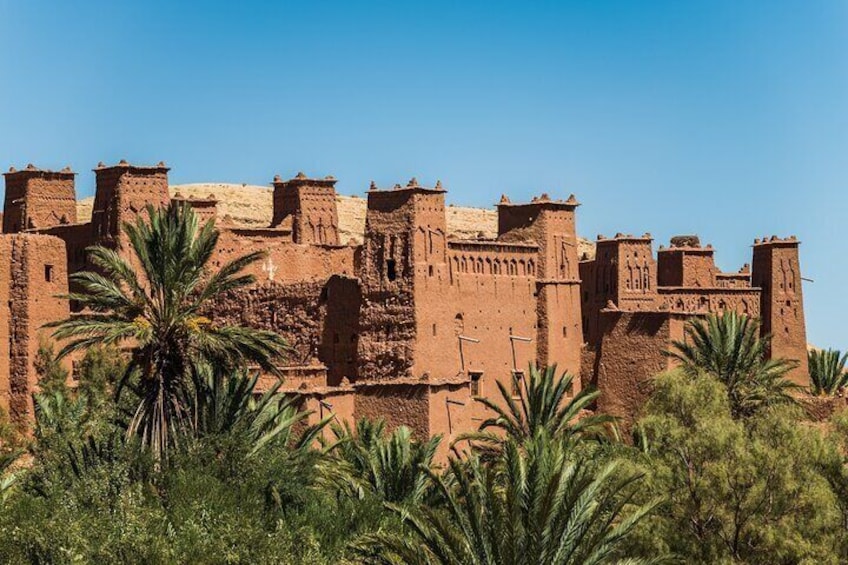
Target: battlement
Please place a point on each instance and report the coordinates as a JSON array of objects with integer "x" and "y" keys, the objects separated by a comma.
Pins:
[
  {"x": 411, "y": 187},
  {"x": 775, "y": 241},
  {"x": 32, "y": 171}
]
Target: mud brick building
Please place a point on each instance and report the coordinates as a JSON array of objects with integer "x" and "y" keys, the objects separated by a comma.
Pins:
[{"x": 413, "y": 322}]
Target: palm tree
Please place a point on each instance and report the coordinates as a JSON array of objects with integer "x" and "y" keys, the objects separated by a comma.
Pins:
[
  {"x": 827, "y": 371},
  {"x": 543, "y": 404},
  {"x": 533, "y": 505},
  {"x": 730, "y": 348},
  {"x": 7, "y": 478},
  {"x": 229, "y": 407},
  {"x": 159, "y": 314},
  {"x": 393, "y": 466}
]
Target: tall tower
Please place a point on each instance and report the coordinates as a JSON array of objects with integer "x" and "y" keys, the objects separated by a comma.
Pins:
[
  {"x": 551, "y": 225},
  {"x": 309, "y": 207},
  {"x": 37, "y": 199},
  {"x": 123, "y": 191},
  {"x": 405, "y": 248},
  {"x": 777, "y": 271}
]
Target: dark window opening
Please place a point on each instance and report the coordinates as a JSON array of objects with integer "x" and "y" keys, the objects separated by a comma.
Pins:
[
  {"x": 431, "y": 270},
  {"x": 391, "y": 269},
  {"x": 564, "y": 331},
  {"x": 48, "y": 273},
  {"x": 517, "y": 378},
  {"x": 475, "y": 377}
]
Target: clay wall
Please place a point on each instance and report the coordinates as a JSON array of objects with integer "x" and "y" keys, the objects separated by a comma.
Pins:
[
  {"x": 295, "y": 378},
  {"x": 295, "y": 311},
  {"x": 489, "y": 308},
  {"x": 37, "y": 199},
  {"x": 776, "y": 270},
  {"x": 77, "y": 238},
  {"x": 551, "y": 225},
  {"x": 337, "y": 403},
  {"x": 560, "y": 333},
  {"x": 35, "y": 275},
  {"x": 629, "y": 356},
  {"x": 399, "y": 404},
  {"x": 452, "y": 412},
  {"x": 6, "y": 329},
  {"x": 340, "y": 336},
  {"x": 286, "y": 262}
]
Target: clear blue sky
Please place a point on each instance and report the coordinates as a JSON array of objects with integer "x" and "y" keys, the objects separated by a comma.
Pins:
[{"x": 724, "y": 118}]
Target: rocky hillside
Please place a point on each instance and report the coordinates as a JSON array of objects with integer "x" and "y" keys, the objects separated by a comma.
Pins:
[{"x": 248, "y": 205}]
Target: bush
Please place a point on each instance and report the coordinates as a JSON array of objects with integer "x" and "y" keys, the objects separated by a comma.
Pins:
[{"x": 736, "y": 490}]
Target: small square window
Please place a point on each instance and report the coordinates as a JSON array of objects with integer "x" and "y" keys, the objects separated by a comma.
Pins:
[{"x": 48, "y": 273}]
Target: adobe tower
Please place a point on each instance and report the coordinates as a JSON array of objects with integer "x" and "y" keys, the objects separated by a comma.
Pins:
[
  {"x": 551, "y": 225},
  {"x": 37, "y": 199},
  {"x": 776, "y": 270},
  {"x": 123, "y": 191},
  {"x": 308, "y": 207}
]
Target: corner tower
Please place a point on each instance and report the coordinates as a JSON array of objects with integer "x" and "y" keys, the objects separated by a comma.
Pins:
[
  {"x": 37, "y": 199},
  {"x": 777, "y": 271},
  {"x": 551, "y": 225},
  {"x": 309, "y": 207}
]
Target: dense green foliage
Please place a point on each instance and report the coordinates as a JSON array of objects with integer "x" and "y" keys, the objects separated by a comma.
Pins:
[
  {"x": 544, "y": 403},
  {"x": 748, "y": 491},
  {"x": 729, "y": 348},
  {"x": 158, "y": 307},
  {"x": 393, "y": 466},
  {"x": 723, "y": 468},
  {"x": 531, "y": 505},
  {"x": 827, "y": 371}
]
